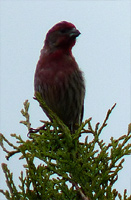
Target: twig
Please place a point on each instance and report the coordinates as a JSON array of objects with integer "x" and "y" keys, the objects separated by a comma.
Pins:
[
  {"x": 107, "y": 116},
  {"x": 80, "y": 191}
]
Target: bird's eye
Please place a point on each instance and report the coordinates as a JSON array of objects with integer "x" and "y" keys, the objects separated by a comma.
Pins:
[{"x": 63, "y": 30}]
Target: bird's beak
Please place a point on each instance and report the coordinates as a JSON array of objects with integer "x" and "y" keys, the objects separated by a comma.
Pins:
[{"x": 74, "y": 33}]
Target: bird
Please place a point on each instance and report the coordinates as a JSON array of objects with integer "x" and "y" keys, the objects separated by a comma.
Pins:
[{"x": 58, "y": 77}]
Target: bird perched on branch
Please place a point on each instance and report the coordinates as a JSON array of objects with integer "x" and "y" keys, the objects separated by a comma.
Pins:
[{"x": 58, "y": 78}]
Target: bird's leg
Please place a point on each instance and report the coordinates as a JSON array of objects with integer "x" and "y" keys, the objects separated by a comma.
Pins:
[{"x": 33, "y": 130}]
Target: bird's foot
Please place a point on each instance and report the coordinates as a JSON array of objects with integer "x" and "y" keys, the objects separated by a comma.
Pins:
[{"x": 33, "y": 130}]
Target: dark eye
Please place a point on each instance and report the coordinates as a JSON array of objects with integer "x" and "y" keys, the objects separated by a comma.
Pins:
[{"x": 63, "y": 30}]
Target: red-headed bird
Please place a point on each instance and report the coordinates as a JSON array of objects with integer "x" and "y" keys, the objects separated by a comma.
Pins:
[{"x": 58, "y": 78}]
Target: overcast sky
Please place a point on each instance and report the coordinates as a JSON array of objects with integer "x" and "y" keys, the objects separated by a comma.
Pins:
[{"x": 102, "y": 52}]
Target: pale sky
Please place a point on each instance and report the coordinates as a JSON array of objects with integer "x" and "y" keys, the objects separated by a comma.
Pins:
[{"x": 102, "y": 52}]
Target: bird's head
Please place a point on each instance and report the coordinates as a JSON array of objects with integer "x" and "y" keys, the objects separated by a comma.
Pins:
[{"x": 62, "y": 35}]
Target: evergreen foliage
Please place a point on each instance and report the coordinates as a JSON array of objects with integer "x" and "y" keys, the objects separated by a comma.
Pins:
[{"x": 69, "y": 169}]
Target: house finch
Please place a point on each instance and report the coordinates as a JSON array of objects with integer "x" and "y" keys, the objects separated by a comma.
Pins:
[{"x": 58, "y": 78}]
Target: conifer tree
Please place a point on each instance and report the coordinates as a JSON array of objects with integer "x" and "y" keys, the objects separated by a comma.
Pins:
[{"x": 69, "y": 169}]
